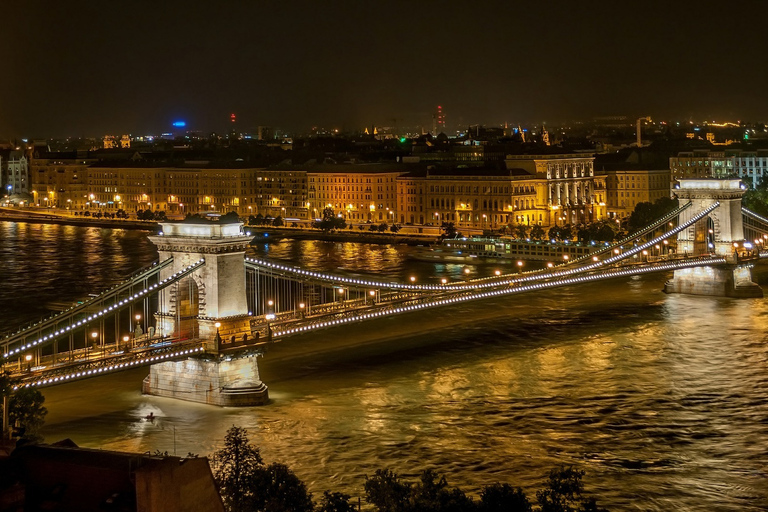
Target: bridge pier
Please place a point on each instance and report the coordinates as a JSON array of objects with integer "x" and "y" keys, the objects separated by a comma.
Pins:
[
  {"x": 731, "y": 281},
  {"x": 223, "y": 381},
  {"x": 720, "y": 233}
]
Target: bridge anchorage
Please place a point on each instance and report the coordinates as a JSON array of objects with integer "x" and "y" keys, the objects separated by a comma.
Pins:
[{"x": 720, "y": 233}]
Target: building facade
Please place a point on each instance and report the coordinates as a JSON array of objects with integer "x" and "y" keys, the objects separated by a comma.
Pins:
[
  {"x": 359, "y": 193},
  {"x": 574, "y": 195},
  {"x": 750, "y": 166},
  {"x": 17, "y": 173},
  {"x": 626, "y": 188}
]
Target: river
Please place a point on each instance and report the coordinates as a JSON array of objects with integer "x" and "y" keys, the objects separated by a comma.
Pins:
[{"x": 662, "y": 400}]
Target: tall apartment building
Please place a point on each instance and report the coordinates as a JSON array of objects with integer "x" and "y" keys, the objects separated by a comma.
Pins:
[
  {"x": 17, "y": 173},
  {"x": 359, "y": 192},
  {"x": 749, "y": 165},
  {"x": 60, "y": 180}
]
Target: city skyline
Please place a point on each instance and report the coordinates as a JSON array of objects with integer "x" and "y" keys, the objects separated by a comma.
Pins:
[{"x": 80, "y": 69}]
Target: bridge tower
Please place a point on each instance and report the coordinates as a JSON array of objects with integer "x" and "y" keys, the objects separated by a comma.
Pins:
[
  {"x": 208, "y": 304},
  {"x": 720, "y": 233}
]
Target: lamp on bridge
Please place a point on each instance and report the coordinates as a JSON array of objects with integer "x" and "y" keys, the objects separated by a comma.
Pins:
[
  {"x": 218, "y": 336},
  {"x": 126, "y": 339},
  {"x": 301, "y": 309},
  {"x": 520, "y": 267},
  {"x": 28, "y": 359},
  {"x": 95, "y": 338},
  {"x": 137, "y": 331}
]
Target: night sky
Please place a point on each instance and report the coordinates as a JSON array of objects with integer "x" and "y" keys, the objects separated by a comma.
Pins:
[{"x": 74, "y": 68}]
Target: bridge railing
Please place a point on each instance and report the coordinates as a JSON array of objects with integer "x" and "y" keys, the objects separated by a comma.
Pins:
[
  {"x": 56, "y": 330},
  {"x": 53, "y": 320},
  {"x": 101, "y": 363}
]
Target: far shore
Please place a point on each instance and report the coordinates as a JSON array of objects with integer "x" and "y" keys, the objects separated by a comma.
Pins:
[{"x": 261, "y": 233}]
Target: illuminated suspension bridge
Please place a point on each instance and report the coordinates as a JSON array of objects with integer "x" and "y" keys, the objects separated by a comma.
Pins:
[{"x": 207, "y": 300}]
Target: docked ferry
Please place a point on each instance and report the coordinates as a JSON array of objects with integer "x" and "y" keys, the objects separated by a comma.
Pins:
[{"x": 478, "y": 250}]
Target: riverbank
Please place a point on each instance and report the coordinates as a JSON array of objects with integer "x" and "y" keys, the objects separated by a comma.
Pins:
[
  {"x": 41, "y": 217},
  {"x": 261, "y": 234},
  {"x": 264, "y": 235}
]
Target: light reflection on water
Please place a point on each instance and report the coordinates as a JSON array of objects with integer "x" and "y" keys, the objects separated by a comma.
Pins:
[{"x": 661, "y": 399}]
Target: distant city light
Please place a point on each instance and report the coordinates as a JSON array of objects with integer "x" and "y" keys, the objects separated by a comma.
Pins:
[{"x": 179, "y": 124}]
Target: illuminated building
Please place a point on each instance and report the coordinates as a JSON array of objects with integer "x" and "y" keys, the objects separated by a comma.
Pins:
[
  {"x": 750, "y": 165},
  {"x": 60, "y": 178},
  {"x": 627, "y": 187},
  {"x": 573, "y": 193},
  {"x": 472, "y": 198},
  {"x": 16, "y": 174},
  {"x": 359, "y": 192}
]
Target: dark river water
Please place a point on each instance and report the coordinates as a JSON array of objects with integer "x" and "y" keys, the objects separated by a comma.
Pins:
[{"x": 662, "y": 400}]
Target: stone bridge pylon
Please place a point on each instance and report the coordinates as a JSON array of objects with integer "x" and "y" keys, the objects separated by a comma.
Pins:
[
  {"x": 211, "y": 298},
  {"x": 720, "y": 233}
]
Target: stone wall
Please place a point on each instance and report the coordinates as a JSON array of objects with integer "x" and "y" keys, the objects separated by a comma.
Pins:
[
  {"x": 717, "y": 282},
  {"x": 233, "y": 382}
]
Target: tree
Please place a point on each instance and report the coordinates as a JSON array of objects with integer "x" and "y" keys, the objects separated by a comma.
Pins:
[
  {"x": 335, "y": 502},
  {"x": 258, "y": 220},
  {"x": 537, "y": 232},
  {"x": 278, "y": 489},
  {"x": 503, "y": 498},
  {"x": 229, "y": 217},
  {"x": 563, "y": 492},
  {"x": 386, "y": 492},
  {"x": 432, "y": 494},
  {"x": 394, "y": 228},
  {"x": 646, "y": 213},
  {"x": 756, "y": 198},
  {"x": 235, "y": 469},
  {"x": 449, "y": 230},
  {"x": 26, "y": 411},
  {"x": 521, "y": 231},
  {"x": 330, "y": 221},
  {"x": 278, "y": 221},
  {"x": 383, "y": 227}
]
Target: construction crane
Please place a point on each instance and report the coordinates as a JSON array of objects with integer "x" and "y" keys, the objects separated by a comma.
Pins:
[{"x": 639, "y": 124}]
